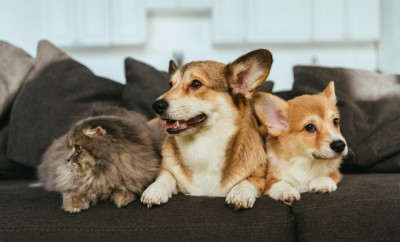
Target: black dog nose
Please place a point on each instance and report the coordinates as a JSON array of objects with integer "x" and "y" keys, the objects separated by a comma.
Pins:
[
  {"x": 338, "y": 146},
  {"x": 160, "y": 106}
]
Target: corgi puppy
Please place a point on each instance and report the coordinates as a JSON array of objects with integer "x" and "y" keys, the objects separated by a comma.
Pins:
[
  {"x": 212, "y": 147},
  {"x": 303, "y": 143}
]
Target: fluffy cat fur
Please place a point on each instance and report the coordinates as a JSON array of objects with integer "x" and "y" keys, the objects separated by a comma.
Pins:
[{"x": 110, "y": 154}]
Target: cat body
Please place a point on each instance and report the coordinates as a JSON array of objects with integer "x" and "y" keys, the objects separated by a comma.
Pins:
[{"x": 110, "y": 154}]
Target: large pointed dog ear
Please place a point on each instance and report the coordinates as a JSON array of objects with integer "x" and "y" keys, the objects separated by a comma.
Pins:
[
  {"x": 272, "y": 112},
  {"x": 329, "y": 92},
  {"x": 172, "y": 67},
  {"x": 248, "y": 72}
]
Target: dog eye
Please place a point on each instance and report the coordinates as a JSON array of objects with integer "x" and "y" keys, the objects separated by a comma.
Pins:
[
  {"x": 336, "y": 122},
  {"x": 170, "y": 84},
  {"x": 310, "y": 128},
  {"x": 196, "y": 84}
]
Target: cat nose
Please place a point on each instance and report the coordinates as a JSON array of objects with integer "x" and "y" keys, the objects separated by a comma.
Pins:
[
  {"x": 338, "y": 146},
  {"x": 160, "y": 106}
]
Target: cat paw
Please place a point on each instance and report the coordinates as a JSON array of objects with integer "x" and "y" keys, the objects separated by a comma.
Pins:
[
  {"x": 155, "y": 194},
  {"x": 242, "y": 196},
  {"x": 74, "y": 203},
  {"x": 322, "y": 185},
  {"x": 285, "y": 193},
  {"x": 122, "y": 198}
]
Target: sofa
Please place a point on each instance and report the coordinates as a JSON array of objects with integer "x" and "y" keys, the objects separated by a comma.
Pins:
[{"x": 41, "y": 96}]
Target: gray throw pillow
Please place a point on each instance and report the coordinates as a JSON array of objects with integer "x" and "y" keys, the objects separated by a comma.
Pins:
[{"x": 15, "y": 65}]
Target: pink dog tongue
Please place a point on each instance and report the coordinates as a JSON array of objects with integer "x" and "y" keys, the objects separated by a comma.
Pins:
[
  {"x": 181, "y": 125},
  {"x": 173, "y": 124}
]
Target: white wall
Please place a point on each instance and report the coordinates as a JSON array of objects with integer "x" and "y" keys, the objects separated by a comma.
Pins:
[
  {"x": 20, "y": 23},
  {"x": 389, "y": 54},
  {"x": 190, "y": 33}
]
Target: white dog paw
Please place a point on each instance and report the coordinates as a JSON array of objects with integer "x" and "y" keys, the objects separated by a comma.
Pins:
[
  {"x": 155, "y": 194},
  {"x": 282, "y": 191},
  {"x": 322, "y": 185},
  {"x": 242, "y": 196}
]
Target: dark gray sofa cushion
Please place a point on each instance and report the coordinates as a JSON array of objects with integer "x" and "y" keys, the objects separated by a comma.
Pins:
[
  {"x": 365, "y": 207},
  {"x": 15, "y": 65},
  {"x": 61, "y": 89},
  {"x": 8, "y": 168},
  {"x": 32, "y": 214},
  {"x": 144, "y": 84}
]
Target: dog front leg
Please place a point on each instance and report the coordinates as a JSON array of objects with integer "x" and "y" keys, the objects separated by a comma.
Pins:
[
  {"x": 160, "y": 190},
  {"x": 283, "y": 191},
  {"x": 322, "y": 184},
  {"x": 243, "y": 195}
]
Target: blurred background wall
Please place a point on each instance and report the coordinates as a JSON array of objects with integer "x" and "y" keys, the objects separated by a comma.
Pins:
[{"x": 102, "y": 33}]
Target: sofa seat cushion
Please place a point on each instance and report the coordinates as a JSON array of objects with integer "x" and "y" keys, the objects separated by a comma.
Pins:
[
  {"x": 365, "y": 207},
  {"x": 33, "y": 214}
]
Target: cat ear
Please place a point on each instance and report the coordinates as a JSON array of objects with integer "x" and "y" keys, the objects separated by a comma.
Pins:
[
  {"x": 272, "y": 112},
  {"x": 98, "y": 131}
]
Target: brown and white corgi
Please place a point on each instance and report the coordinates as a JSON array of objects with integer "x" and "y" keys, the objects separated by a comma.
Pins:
[
  {"x": 213, "y": 147},
  {"x": 303, "y": 143}
]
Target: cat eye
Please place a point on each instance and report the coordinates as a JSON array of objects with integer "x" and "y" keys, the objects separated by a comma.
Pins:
[
  {"x": 78, "y": 148},
  {"x": 336, "y": 122},
  {"x": 310, "y": 128},
  {"x": 196, "y": 84},
  {"x": 73, "y": 154}
]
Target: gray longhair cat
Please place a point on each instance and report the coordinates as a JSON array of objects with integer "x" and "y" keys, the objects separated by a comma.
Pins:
[{"x": 111, "y": 154}]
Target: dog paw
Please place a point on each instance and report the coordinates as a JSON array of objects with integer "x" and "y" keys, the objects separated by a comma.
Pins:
[
  {"x": 74, "y": 203},
  {"x": 322, "y": 185},
  {"x": 242, "y": 196},
  {"x": 155, "y": 194},
  {"x": 285, "y": 193},
  {"x": 122, "y": 198}
]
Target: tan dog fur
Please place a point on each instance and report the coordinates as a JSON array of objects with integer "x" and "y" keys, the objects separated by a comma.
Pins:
[
  {"x": 300, "y": 160},
  {"x": 222, "y": 155}
]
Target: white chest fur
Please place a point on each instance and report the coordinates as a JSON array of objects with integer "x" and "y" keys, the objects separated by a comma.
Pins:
[
  {"x": 204, "y": 155},
  {"x": 300, "y": 170}
]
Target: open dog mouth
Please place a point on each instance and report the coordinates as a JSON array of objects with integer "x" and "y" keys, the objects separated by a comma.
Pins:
[{"x": 178, "y": 126}]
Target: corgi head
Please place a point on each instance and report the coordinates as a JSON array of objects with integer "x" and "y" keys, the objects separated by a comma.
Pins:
[
  {"x": 306, "y": 126},
  {"x": 203, "y": 92}
]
